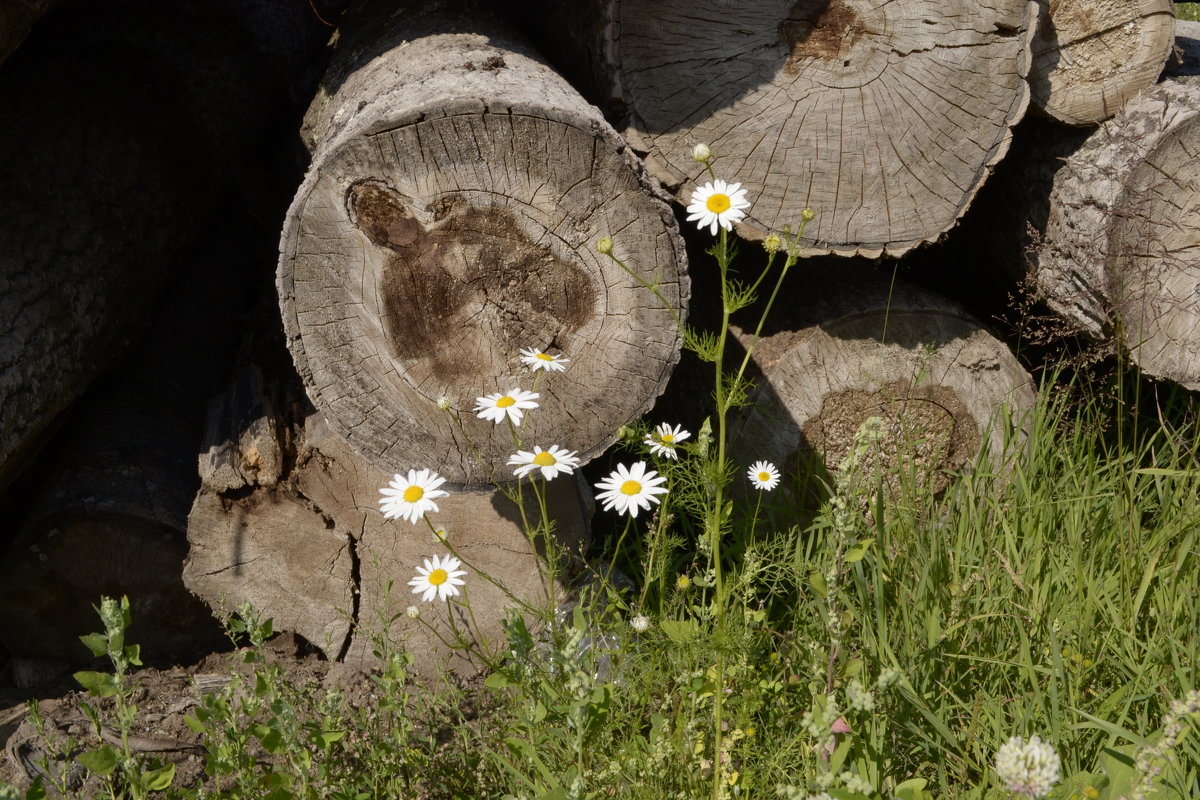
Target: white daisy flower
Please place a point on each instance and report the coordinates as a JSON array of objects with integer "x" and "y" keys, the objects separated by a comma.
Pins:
[
  {"x": 440, "y": 577},
  {"x": 664, "y": 438},
  {"x": 718, "y": 203},
  {"x": 512, "y": 404},
  {"x": 539, "y": 360},
  {"x": 763, "y": 475},
  {"x": 411, "y": 498},
  {"x": 640, "y": 623},
  {"x": 628, "y": 489},
  {"x": 550, "y": 462}
]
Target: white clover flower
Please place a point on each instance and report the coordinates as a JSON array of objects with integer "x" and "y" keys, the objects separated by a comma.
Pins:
[
  {"x": 763, "y": 475},
  {"x": 550, "y": 462},
  {"x": 702, "y": 153},
  {"x": 536, "y": 359},
  {"x": 511, "y": 404},
  {"x": 412, "y": 612},
  {"x": 1028, "y": 768},
  {"x": 411, "y": 497},
  {"x": 640, "y": 623},
  {"x": 439, "y": 578},
  {"x": 628, "y": 489},
  {"x": 664, "y": 438},
  {"x": 718, "y": 203}
]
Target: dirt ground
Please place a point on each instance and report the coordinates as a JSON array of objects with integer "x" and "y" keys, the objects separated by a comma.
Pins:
[{"x": 164, "y": 697}]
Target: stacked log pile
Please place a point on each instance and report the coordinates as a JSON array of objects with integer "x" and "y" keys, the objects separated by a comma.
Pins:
[{"x": 456, "y": 187}]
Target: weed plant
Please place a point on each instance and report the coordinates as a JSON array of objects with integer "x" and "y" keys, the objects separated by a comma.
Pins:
[{"x": 1030, "y": 631}]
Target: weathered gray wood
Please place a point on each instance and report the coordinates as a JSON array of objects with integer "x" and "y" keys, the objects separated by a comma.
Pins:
[
  {"x": 857, "y": 345},
  {"x": 1091, "y": 56},
  {"x": 449, "y": 219},
  {"x": 118, "y": 125},
  {"x": 314, "y": 553},
  {"x": 884, "y": 118},
  {"x": 1120, "y": 256}
]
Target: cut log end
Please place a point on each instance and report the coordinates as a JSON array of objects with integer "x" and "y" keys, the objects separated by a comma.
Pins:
[
  {"x": 1090, "y": 57},
  {"x": 442, "y": 231},
  {"x": 938, "y": 382},
  {"x": 884, "y": 118},
  {"x": 1120, "y": 256}
]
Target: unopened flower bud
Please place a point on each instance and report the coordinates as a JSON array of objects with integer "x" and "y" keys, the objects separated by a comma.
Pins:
[
  {"x": 413, "y": 612},
  {"x": 807, "y": 215},
  {"x": 701, "y": 153},
  {"x": 444, "y": 403},
  {"x": 605, "y": 245},
  {"x": 773, "y": 243}
]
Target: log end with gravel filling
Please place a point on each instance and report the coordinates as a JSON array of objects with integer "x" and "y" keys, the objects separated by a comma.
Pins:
[
  {"x": 884, "y": 118},
  {"x": 449, "y": 220},
  {"x": 1121, "y": 253},
  {"x": 858, "y": 347},
  {"x": 1090, "y": 57}
]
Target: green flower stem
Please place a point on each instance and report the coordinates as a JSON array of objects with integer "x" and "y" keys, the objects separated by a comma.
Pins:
[
  {"x": 481, "y": 573},
  {"x": 652, "y": 289},
  {"x": 717, "y": 511}
]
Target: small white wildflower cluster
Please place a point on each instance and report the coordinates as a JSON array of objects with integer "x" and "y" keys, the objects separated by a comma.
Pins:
[
  {"x": 859, "y": 697},
  {"x": 1151, "y": 759},
  {"x": 1027, "y": 768}
]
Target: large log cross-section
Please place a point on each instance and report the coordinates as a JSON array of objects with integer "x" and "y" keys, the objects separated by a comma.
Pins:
[
  {"x": 883, "y": 117},
  {"x": 449, "y": 219}
]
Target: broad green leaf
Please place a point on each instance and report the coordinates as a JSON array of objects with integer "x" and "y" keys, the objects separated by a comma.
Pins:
[
  {"x": 98, "y": 684},
  {"x": 96, "y": 643},
  {"x": 156, "y": 780},
  {"x": 680, "y": 631},
  {"x": 856, "y": 553},
  {"x": 102, "y": 760}
]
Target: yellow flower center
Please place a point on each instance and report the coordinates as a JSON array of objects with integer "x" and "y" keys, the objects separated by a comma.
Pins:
[
  {"x": 505, "y": 402},
  {"x": 438, "y": 577},
  {"x": 544, "y": 459},
  {"x": 631, "y": 487},
  {"x": 544, "y": 357},
  {"x": 413, "y": 493},
  {"x": 764, "y": 476},
  {"x": 718, "y": 203},
  {"x": 667, "y": 438}
]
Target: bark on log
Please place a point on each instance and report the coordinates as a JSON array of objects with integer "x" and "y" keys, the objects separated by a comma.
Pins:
[
  {"x": 1090, "y": 57},
  {"x": 1120, "y": 255},
  {"x": 110, "y": 516},
  {"x": 449, "y": 219},
  {"x": 311, "y": 550},
  {"x": 884, "y": 118},
  {"x": 95, "y": 216},
  {"x": 859, "y": 346}
]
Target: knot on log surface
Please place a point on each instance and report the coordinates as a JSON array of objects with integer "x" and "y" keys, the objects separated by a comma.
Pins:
[{"x": 448, "y": 221}]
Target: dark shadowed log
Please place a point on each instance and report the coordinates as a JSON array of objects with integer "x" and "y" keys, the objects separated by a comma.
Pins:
[
  {"x": 111, "y": 514},
  {"x": 885, "y": 118},
  {"x": 17, "y": 18},
  {"x": 1120, "y": 256},
  {"x": 449, "y": 219},
  {"x": 113, "y": 152},
  {"x": 1091, "y": 56},
  {"x": 856, "y": 346},
  {"x": 311, "y": 549}
]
